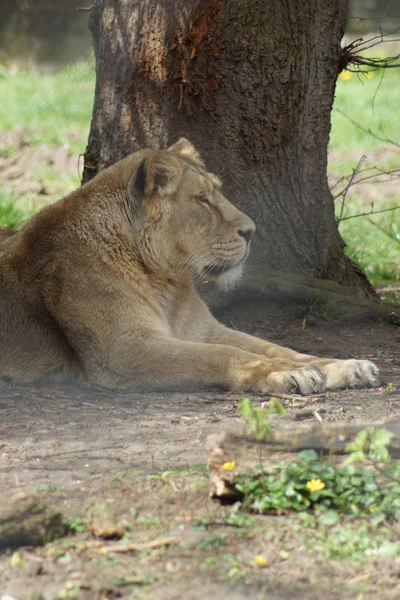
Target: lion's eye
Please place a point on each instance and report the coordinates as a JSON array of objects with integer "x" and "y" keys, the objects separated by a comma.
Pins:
[{"x": 203, "y": 199}]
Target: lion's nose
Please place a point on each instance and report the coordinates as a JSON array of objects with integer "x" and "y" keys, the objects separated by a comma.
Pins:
[{"x": 246, "y": 234}]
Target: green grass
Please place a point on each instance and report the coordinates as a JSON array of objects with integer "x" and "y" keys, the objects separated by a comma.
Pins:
[
  {"x": 49, "y": 109},
  {"x": 370, "y": 103},
  {"x": 54, "y": 109},
  {"x": 377, "y": 251},
  {"x": 10, "y": 215}
]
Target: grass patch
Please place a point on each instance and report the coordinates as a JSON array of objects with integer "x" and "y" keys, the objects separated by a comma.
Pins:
[
  {"x": 349, "y": 511},
  {"x": 10, "y": 214},
  {"x": 369, "y": 102},
  {"x": 372, "y": 242},
  {"x": 349, "y": 541},
  {"x": 348, "y": 506},
  {"x": 54, "y": 109}
]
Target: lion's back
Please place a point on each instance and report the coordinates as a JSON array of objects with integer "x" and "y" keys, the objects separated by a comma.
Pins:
[{"x": 31, "y": 344}]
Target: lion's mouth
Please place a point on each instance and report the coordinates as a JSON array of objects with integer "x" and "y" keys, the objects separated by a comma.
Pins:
[{"x": 217, "y": 269}]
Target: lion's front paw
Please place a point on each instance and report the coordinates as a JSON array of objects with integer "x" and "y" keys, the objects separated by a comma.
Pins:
[
  {"x": 351, "y": 373},
  {"x": 281, "y": 378},
  {"x": 304, "y": 380}
]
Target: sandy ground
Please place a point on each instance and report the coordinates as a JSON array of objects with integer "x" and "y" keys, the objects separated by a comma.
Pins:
[{"x": 145, "y": 455}]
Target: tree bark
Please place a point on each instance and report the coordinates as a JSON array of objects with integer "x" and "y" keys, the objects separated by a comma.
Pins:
[{"x": 251, "y": 84}]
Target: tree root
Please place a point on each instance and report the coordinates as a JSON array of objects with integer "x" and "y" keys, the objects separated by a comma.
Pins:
[{"x": 327, "y": 298}]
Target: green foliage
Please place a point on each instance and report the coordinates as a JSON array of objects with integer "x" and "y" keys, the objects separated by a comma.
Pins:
[
  {"x": 372, "y": 242},
  {"x": 359, "y": 98},
  {"x": 47, "y": 489},
  {"x": 10, "y": 214},
  {"x": 376, "y": 250},
  {"x": 76, "y": 524},
  {"x": 354, "y": 541},
  {"x": 371, "y": 446},
  {"x": 211, "y": 542},
  {"x": 49, "y": 107},
  {"x": 258, "y": 419},
  {"x": 308, "y": 482}
]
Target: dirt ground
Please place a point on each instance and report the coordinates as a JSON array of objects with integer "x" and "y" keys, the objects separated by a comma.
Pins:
[{"x": 143, "y": 458}]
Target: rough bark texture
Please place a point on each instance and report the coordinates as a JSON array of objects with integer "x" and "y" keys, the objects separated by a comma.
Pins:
[{"x": 251, "y": 84}]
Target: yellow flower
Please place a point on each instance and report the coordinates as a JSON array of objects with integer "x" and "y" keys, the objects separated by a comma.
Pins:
[
  {"x": 260, "y": 560},
  {"x": 315, "y": 485},
  {"x": 345, "y": 75},
  {"x": 229, "y": 466}
]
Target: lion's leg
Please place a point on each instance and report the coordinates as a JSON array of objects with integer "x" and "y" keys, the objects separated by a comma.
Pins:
[
  {"x": 170, "y": 364},
  {"x": 339, "y": 373}
]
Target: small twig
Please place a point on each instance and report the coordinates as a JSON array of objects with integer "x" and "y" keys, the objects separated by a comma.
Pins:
[
  {"x": 369, "y": 131},
  {"x": 290, "y": 397},
  {"x": 317, "y": 416},
  {"x": 123, "y": 548},
  {"x": 349, "y": 57},
  {"x": 85, "y": 8},
  {"x": 372, "y": 212},
  {"x": 391, "y": 237},
  {"x": 349, "y": 184},
  {"x": 395, "y": 173},
  {"x": 376, "y": 92}
]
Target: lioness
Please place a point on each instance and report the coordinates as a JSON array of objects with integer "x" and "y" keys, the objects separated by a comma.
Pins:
[{"x": 100, "y": 285}]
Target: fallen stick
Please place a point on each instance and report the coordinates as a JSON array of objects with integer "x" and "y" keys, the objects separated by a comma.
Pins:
[
  {"x": 123, "y": 548},
  {"x": 294, "y": 397}
]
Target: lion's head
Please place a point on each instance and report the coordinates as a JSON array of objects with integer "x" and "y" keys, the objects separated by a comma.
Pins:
[{"x": 182, "y": 221}]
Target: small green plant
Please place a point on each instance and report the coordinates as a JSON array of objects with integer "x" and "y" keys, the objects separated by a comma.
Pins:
[
  {"x": 211, "y": 542},
  {"x": 76, "y": 524},
  {"x": 370, "y": 446},
  {"x": 237, "y": 518},
  {"x": 308, "y": 482},
  {"x": 354, "y": 541},
  {"x": 47, "y": 489},
  {"x": 258, "y": 419},
  {"x": 313, "y": 305},
  {"x": 330, "y": 311}
]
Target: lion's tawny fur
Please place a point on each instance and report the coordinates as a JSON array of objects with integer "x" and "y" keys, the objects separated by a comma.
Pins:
[{"x": 100, "y": 286}]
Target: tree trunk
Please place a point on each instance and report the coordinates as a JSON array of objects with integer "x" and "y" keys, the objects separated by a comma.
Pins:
[{"x": 251, "y": 84}]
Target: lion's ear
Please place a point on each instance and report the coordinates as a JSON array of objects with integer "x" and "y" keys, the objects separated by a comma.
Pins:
[
  {"x": 185, "y": 148},
  {"x": 159, "y": 173}
]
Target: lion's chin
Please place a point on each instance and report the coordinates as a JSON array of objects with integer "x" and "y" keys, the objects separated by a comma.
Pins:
[{"x": 228, "y": 280}]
